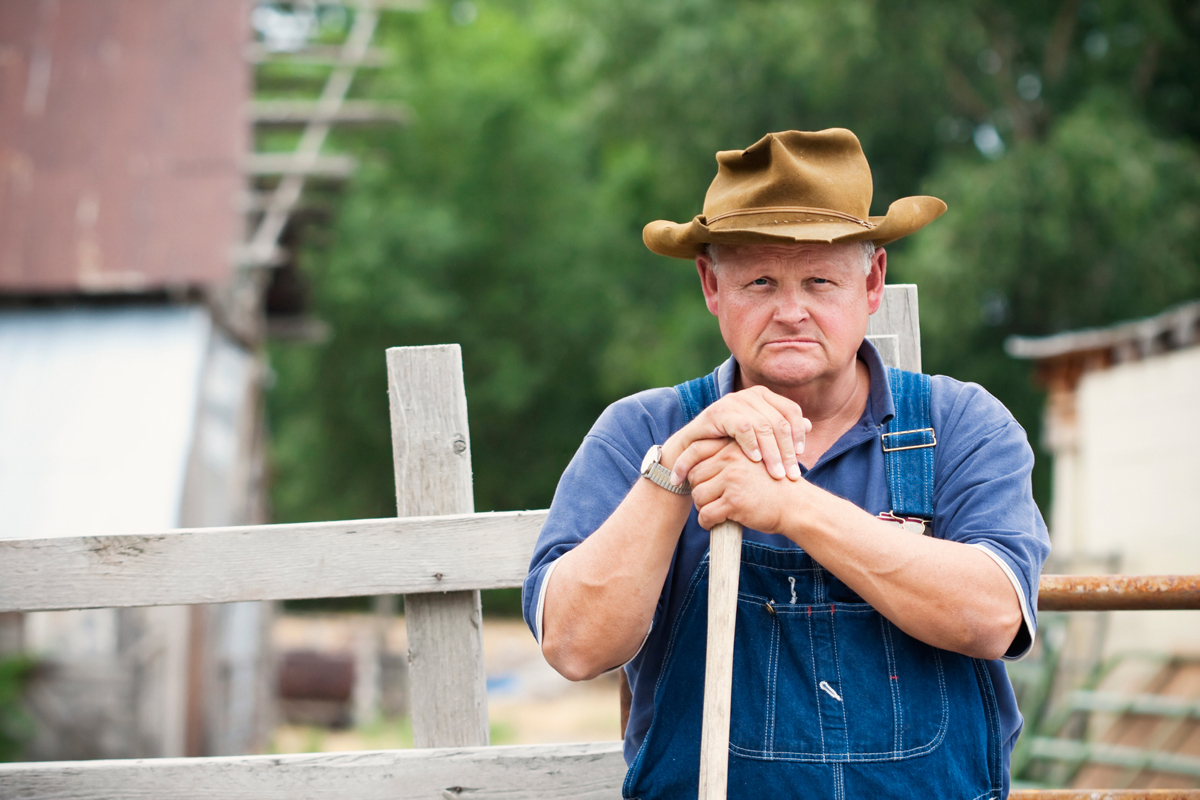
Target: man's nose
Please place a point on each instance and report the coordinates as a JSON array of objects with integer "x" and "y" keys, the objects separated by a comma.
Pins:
[{"x": 792, "y": 307}]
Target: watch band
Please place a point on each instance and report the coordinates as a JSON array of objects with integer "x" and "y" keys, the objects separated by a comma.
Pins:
[{"x": 653, "y": 469}]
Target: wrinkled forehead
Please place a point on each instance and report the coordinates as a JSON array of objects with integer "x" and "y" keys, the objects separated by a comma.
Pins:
[{"x": 798, "y": 254}]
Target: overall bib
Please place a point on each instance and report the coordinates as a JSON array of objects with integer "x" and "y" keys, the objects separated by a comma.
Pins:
[{"x": 830, "y": 699}]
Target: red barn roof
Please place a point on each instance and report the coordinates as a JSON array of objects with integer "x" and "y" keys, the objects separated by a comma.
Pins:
[{"x": 122, "y": 134}]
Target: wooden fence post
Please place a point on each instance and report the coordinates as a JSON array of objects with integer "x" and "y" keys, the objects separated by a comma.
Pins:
[
  {"x": 895, "y": 329},
  {"x": 431, "y": 449}
]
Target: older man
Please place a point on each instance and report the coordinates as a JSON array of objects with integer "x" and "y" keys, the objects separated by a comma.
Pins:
[{"x": 866, "y": 654}]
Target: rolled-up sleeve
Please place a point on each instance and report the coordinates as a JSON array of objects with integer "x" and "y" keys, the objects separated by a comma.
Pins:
[
  {"x": 598, "y": 478},
  {"x": 983, "y": 494}
]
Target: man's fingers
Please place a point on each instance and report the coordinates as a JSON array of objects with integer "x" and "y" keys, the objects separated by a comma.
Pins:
[
  {"x": 711, "y": 507},
  {"x": 775, "y": 443},
  {"x": 710, "y": 516},
  {"x": 744, "y": 433},
  {"x": 747, "y": 424},
  {"x": 780, "y": 434},
  {"x": 768, "y": 427},
  {"x": 792, "y": 430},
  {"x": 698, "y": 451}
]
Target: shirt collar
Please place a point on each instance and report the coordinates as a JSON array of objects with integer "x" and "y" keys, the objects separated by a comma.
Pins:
[
  {"x": 725, "y": 374},
  {"x": 879, "y": 402}
]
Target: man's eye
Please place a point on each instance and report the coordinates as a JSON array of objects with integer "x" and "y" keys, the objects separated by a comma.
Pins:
[
  {"x": 820, "y": 280},
  {"x": 759, "y": 282}
]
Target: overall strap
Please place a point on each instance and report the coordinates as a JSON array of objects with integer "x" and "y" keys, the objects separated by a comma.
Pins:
[
  {"x": 908, "y": 445},
  {"x": 697, "y": 395}
]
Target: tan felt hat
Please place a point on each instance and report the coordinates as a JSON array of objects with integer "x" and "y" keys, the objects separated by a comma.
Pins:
[{"x": 795, "y": 186}]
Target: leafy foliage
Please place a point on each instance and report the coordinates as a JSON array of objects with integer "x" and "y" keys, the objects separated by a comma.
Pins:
[{"x": 15, "y": 725}]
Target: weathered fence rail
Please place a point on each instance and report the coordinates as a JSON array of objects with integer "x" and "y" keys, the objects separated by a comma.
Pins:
[
  {"x": 535, "y": 772},
  {"x": 406, "y": 555},
  {"x": 269, "y": 562}
]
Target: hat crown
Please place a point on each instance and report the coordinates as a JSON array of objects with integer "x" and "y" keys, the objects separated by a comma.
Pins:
[
  {"x": 796, "y": 186},
  {"x": 794, "y": 169}
]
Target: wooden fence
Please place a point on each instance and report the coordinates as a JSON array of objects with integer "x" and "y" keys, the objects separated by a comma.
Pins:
[{"x": 437, "y": 553}]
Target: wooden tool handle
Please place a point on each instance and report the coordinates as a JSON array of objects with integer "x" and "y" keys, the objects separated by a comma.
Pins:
[{"x": 724, "y": 565}]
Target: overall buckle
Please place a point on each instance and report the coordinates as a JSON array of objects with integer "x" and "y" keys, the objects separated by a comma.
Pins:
[
  {"x": 911, "y": 524},
  {"x": 932, "y": 440}
]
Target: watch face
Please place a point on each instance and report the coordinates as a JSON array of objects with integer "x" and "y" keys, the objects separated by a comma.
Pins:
[{"x": 652, "y": 456}]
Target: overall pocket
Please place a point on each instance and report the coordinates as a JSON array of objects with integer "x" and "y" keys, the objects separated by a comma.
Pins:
[{"x": 828, "y": 681}]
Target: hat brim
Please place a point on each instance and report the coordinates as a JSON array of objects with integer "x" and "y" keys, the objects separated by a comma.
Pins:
[{"x": 685, "y": 240}]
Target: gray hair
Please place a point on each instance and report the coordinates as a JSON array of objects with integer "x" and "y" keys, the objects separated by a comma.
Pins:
[{"x": 868, "y": 253}]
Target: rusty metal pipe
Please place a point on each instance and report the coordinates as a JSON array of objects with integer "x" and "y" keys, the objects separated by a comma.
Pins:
[
  {"x": 1105, "y": 794},
  {"x": 1118, "y": 592}
]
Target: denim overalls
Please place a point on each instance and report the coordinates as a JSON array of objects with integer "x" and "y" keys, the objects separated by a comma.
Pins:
[{"x": 830, "y": 699}]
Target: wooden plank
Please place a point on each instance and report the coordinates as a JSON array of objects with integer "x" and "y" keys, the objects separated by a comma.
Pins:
[
  {"x": 431, "y": 448},
  {"x": 1149, "y": 733},
  {"x": 431, "y": 443},
  {"x": 538, "y": 772},
  {"x": 266, "y": 235},
  {"x": 1114, "y": 754},
  {"x": 297, "y": 165},
  {"x": 888, "y": 346},
  {"x": 372, "y": 556},
  {"x": 299, "y": 112},
  {"x": 269, "y": 562},
  {"x": 897, "y": 315},
  {"x": 1174, "y": 328},
  {"x": 412, "y": 6},
  {"x": 445, "y": 646},
  {"x": 1121, "y": 703},
  {"x": 724, "y": 567},
  {"x": 317, "y": 55}
]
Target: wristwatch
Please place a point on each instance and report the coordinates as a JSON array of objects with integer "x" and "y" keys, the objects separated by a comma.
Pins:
[{"x": 653, "y": 469}]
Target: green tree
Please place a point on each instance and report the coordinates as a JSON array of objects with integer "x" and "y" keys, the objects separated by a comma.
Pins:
[
  {"x": 1088, "y": 226},
  {"x": 16, "y": 727},
  {"x": 477, "y": 225},
  {"x": 508, "y": 216}
]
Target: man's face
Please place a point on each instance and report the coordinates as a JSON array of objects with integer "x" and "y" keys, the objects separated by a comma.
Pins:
[{"x": 793, "y": 314}]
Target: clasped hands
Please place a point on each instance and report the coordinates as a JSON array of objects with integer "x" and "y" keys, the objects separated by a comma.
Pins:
[{"x": 740, "y": 457}]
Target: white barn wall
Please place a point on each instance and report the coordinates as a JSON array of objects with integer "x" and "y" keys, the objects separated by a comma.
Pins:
[
  {"x": 137, "y": 418},
  {"x": 1137, "y": 492},
  {"x": 96, "y": 421}
]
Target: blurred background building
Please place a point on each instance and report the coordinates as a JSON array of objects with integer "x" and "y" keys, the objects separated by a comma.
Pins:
[
  {"x": 131, "y": 328},
  {"x": 144, "y": 261},
  {"x": 1117, "y": 423}
]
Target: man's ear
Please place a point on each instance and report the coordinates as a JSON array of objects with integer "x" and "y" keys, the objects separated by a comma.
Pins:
[
  {"x": 708, "y": 281},
  {"x": 875, "y": 279}
]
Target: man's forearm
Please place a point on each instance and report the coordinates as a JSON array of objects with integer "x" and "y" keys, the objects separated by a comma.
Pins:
[
  {"x": 601, "y": 597},
  {"x": 945, "y": 593}
]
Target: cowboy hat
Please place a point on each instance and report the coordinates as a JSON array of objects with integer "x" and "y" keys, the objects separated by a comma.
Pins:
[{"x": 795, "y": 186}]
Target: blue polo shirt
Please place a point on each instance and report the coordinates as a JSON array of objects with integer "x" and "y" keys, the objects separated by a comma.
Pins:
[{"x": 982, "y": 497}]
